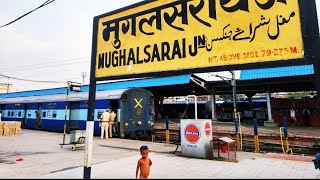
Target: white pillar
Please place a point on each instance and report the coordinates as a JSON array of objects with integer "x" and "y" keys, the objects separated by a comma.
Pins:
[
  {"x": 270, "y": 119},
  {"x": 88, "y": 150},
  {"x": 195, "y": 107}
]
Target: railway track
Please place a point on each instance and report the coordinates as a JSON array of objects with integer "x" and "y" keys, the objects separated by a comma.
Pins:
[{"x": 268, "y": 142}]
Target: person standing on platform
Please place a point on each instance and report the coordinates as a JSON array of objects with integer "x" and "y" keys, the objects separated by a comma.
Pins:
[
  {"x": 306, "y": 115},
  {"x": 104, "y": 121},
  {"x": 38, "y": 120},
  {"x": 293, "y": 117},
  {"x": 112, "y": 121},
  {"x": 144, "y": 164}
]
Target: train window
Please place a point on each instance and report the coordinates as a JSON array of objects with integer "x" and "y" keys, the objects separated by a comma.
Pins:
[
  {"x": 8, "y": 113},
  {"x": 29, "y": 113},
  {"x": 12, "y": 113},
  {"x": 54, "y": 114},
  {"x": 19, "y": 114},
  {"x": 100, "y": 112},
  {"x": 44, "y": 114},
  {"x": 49, "y": 113}
]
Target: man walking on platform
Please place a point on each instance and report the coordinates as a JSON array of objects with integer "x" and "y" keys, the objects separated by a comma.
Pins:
[
  {"x": 112, "y": 121},
  {"x": 104, "y": 121}
]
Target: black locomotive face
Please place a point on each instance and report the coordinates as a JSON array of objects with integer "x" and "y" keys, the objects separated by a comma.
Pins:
[{"x": 137, "y": 113}]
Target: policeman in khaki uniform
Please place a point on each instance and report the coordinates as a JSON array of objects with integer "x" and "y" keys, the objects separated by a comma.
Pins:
[
  {"x": 104, "y": 121},
  {"x": 112, "y": 121}
]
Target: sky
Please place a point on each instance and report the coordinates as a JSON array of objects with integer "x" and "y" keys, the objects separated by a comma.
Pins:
[{"x": 52, "y": 43}]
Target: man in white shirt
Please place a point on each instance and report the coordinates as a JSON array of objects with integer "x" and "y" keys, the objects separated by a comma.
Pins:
[
  {"x": 104, "y": 120},
  {"x": 293, "y": 116}
]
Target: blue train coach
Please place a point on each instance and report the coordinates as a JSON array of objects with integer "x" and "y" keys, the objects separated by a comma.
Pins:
[{"x": 134, "y": 108}]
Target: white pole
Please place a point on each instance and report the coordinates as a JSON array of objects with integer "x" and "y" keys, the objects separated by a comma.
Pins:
[
  {"x": 88, "y": 150},
  {"x": 195, "y": 105},
  {"x": 213, "y": 105},
  {"x": 269, "y": 107}
]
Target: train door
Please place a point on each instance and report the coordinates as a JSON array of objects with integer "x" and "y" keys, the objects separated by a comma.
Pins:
[
  {"x": 74, "y": 116},
  {"x": 114, "y": 106},
  {"x": 38, "y": 123},
  {"x": 24, "y": 117}
]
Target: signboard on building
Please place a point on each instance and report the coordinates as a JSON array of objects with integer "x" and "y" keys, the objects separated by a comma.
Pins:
[{"x": 171, "y": 35}]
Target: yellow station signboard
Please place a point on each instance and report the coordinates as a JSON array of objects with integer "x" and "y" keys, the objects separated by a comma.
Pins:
[{"x": 170, "y": 35}]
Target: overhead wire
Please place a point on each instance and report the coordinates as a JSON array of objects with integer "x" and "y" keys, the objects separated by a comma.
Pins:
[
  {"x": 42, "y": 5},
  {"x": 60, "y": 70},
  {"x": 39, "y": 71},
  {"x": 22, "y": 67},
  {"x": 64, "y": 79},
  {"x": 37, "y": 66},
  {"x": 39, "y": 81},
  {"x": 48, "y": 66}
]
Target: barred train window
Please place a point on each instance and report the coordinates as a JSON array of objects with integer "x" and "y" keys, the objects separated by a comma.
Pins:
[
  {"x": 29, "y": 113},
  {"x": 19, "y": 114},
  {"x": 44, "y": 114},
  {"x": 49, "y": 113},
  {"x": 54, "y": 114},
  {"x": 100, "y": 112}
]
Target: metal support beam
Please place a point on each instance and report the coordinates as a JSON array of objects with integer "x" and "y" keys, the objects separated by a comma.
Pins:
[
  {"x": 316, "y": 67},
  {"x": 310, "y": 28},
  {"x": 316, "y": 62},
  {"x": 234, "y": 93}
]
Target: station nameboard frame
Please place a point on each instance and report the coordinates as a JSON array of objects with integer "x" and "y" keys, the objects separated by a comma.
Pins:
[
  {"x": 193, "y": 36},
  {"x": 161, "y": 38}
]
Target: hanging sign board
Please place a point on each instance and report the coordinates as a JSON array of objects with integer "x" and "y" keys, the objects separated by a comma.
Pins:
[{"x": 171, "y": 35}]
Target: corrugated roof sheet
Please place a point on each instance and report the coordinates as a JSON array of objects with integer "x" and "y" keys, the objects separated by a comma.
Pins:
[
  {"x": 148, "y": 82},
  {"x": 111, "y": 94},
  {"x": 36, "y": 93},
  {"x": 276, "y": 72}
]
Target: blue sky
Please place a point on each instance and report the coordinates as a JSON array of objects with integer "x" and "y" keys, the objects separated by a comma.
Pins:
[{"x": 52, "y": 43}]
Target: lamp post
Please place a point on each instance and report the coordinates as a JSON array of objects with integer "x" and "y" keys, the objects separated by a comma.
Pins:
[
  {"x": 83, "y": 74},
  {"x": 234, "y": 94}
]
